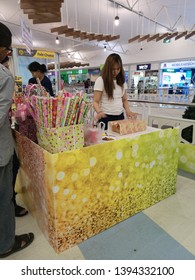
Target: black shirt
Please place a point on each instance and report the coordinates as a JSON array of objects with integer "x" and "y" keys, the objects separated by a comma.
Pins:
[{"x": 46, "y": 83}]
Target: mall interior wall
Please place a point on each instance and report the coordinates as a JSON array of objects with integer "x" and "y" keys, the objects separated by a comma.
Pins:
[{"x": 154, "y": 51}]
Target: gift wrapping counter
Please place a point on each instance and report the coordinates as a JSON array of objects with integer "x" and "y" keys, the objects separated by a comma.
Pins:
[{"x": 76, "y": 194}]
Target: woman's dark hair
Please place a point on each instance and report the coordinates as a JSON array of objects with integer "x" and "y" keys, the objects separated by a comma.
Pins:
[
  {"x": 107, "y": 75},
  {"x": 36, "y": 66}
]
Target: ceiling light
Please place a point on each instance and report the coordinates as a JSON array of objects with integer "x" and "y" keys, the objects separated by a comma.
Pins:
[
  {"x": 105, "y": 49},
  {"x": 116, "y": 20},
  {"x": 57, "y": 41}
]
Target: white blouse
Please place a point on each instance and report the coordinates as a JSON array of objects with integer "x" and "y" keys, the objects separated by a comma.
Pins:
[{"x": 111, "y": 106}]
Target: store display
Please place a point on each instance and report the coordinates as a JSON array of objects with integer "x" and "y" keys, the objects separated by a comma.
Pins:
[
  {"x": 127, "y": 126},
  {"x": 59, "y": 120},
  {"x": 151, "y": 81},
  {"x": 72, "y": 194}
]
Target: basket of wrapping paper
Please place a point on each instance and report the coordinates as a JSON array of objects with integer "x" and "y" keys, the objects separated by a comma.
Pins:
[
  {"x": 59, "y": 121},
  {"x": 24, "y": 113},
  {"x": 60, "y": 139},
  {"x": 127, "y": 126}
]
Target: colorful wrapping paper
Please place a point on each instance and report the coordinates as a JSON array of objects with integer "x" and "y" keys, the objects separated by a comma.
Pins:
[
  {"x": 86, "y": 110},
  {"x": 44, "y": 101},
  {"x": 65, "y": 110},
  {"x": 81, "y": 112},
  {"x": 36, "y": 109},
  {"x": 74, "y": 110},
  {"x": 59, "y": 110},
  {"x": 28, "y": 128},
  {"x": 77, "y": 111},
  {"x": 29, "y": 106},
  {"x": 127, "y": 126},
  {"x": 70, "y": 111},
  {"x": 54, "y": 111},
  {"x": 40, "y": 111}
]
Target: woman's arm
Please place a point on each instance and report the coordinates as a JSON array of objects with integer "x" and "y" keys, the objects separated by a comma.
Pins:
[
  {"x": 129, "y": 113},
  {"x": 96, "y": 104}
]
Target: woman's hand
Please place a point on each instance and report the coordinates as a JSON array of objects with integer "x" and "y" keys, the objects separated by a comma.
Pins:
[
  {"x": 131, "y": 115},
  {"x": 100, "y": 115}
]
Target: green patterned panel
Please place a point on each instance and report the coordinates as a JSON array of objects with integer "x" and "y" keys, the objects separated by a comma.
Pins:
[
  {"x": 98, "y": 186},
  {"x": 187, "y": 157}
]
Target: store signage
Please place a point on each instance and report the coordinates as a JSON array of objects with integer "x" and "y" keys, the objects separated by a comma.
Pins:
[
  {"x": 26, "y": 35},
  {"x": 166, "y": 41},
  {"x": 169, "y": 70},
  {"x": 143, "y": 67},
  {"x": 44, "y": 54},
  {"x": 180, "y": 64},
  {"x": 74, "y": 72},
  {"x": 37, "y": 54},
  {"x": 95, "y": 71}
]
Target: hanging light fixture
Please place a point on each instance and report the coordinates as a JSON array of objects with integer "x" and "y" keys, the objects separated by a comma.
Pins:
[
  {"x": 57, "y": 41},
  {"x": 116, "y": 20}
]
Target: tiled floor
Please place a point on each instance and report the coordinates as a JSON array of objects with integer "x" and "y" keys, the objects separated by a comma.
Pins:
[{"x": 163, "y": 231}]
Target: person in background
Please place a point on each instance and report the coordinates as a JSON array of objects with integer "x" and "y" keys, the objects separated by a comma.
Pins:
[
  {"x": 140, "y": 87},
  {"x": 185, "y": 90},
  {"x": 38, "y": 71},
  {"x": 182, "y": 78},
  {"x": 110, "y": 98},
  {"x": 9, "y": 242},
  {"x": 19, "y": 210},
  {"x": 87, "y": 85}
]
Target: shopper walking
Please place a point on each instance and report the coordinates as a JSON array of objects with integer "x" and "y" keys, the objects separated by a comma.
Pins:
[
  {"x": 110, "y": 98},
  {"x": 38, "y": 71},
  {"x": 9, "y": 242}
]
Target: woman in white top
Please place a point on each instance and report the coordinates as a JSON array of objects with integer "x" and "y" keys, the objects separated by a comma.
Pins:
[{"x": 110, "y": 98}]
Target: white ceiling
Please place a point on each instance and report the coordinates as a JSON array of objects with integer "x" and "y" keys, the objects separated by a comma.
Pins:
[{"x": 137, "y": 17}]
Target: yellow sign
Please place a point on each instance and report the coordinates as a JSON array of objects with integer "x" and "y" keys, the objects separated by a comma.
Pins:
[
  {"x": 37, "y": 54},
  {"x": 44, "y": 54}
]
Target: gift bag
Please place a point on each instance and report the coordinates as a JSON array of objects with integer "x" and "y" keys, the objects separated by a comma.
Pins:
[
  {"x": 56, "y": 140},
  {"x": 93, "y": 133}
]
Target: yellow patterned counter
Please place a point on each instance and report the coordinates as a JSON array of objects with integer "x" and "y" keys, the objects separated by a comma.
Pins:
[{"x": 77, "y": 194}]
